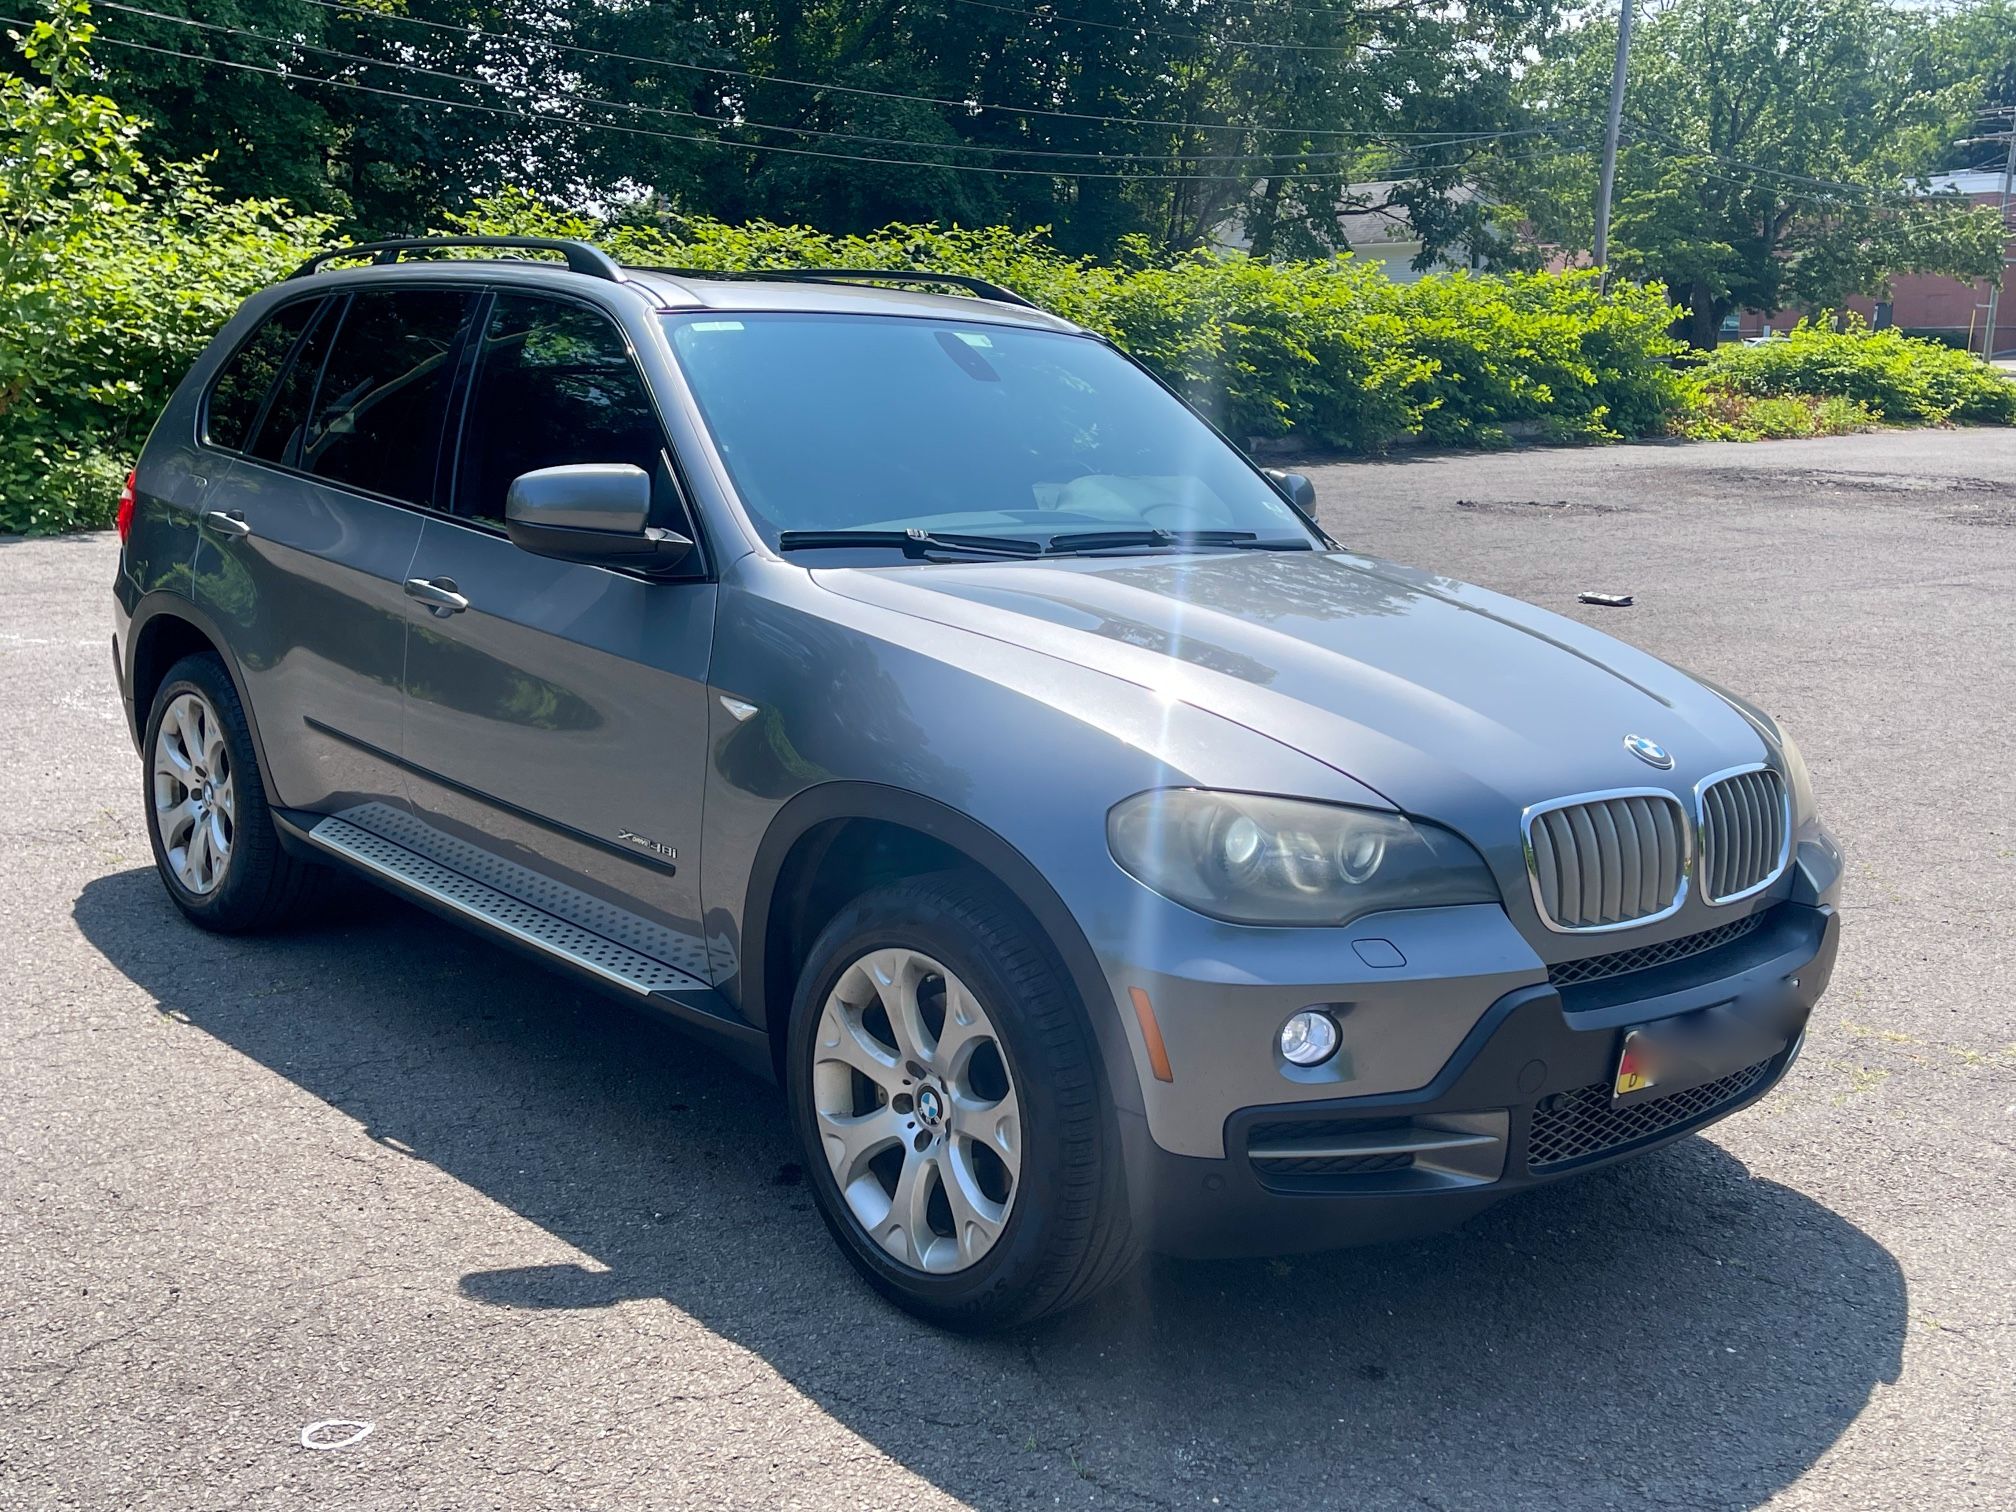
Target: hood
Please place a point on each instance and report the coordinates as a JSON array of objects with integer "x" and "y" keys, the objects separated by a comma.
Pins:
[{"x": 1442, "y": 697}]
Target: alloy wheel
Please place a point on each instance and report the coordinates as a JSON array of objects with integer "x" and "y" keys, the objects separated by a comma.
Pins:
[
  {"x": 195, "y": 805},
  {"x": 916, "y": 1110}
]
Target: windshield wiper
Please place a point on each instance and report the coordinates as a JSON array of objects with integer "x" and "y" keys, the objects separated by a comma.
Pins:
[
  {"x": 1175, "y": 540},
  {"x": 913, "y": 543}
]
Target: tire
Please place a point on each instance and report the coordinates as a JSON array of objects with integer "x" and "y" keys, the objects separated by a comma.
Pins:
[
  {"x": 1038, "y": 1231},
  {"x": 224, "y": 867}
]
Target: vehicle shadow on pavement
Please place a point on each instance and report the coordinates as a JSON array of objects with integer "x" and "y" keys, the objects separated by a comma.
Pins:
[{"x": 1673, "y": 1328}]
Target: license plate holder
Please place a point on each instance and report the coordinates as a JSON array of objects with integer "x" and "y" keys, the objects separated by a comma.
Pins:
[{"x": 1674, "y": 1054}]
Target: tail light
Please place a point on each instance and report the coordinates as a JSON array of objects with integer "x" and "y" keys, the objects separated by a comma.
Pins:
[{"x": 124, "y": 518}]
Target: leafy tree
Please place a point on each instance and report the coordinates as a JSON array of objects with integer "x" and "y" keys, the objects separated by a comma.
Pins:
[
  {"x": 264, "y": 135},
  {"x": 388, "y": 108},
  {"x": 67, "y": 158},
  {"x": 1769, "y": 150},
  {"x": 1975, "y": 42},
  {"x": 1105, "y": 118},
  {"x": 114, "y": 272}
]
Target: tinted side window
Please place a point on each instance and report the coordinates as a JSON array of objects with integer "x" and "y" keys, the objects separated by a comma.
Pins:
[
  {"x": 279, "y": 438},
  {"x": 384, "y": 390},
  {"x": 241, "y": 387},
  {"x": 554, "y": 385}
]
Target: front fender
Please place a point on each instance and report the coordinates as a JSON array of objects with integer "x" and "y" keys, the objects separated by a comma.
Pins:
[
  {"x": 1011, "y": 757},
  {"x": 831, "y": 801}
]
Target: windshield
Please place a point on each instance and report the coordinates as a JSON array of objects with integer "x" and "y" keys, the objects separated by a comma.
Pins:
[{"x": 887, "y": 423}]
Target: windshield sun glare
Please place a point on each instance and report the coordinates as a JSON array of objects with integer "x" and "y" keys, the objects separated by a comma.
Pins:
[{"x": 892, "y": 423}]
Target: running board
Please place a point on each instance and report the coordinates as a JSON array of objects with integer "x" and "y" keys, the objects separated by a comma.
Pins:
[{"x": 463, "y": 897}]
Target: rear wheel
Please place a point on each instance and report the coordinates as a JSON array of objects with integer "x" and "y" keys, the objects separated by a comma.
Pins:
[
  {"x": 212, "y": 831},
  {"x": 945, "y": 1086}
]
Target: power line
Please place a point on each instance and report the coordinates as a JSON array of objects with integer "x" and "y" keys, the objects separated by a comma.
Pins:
[
  {"x": 553, "y": 118},
  {"x": 968, "y": 105},
  {"x": 1131, "y": 29},
  {"x": 1335, "y": 13},
  {"x": 732, "y": 123},
  {"x": 1866, "y": 190}
]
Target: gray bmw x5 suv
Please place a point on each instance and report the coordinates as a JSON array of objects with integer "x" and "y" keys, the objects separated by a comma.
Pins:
[{"x": 901, "y": 688}]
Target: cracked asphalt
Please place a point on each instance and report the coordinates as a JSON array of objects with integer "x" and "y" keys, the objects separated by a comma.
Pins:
[{"x": 376, "y": 1170}]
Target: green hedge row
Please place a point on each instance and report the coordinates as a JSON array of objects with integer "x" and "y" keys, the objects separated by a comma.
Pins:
[
  {"x": 114, "y": 272},
  {"x": 1331, "y": 355},
  {"x": 1335, "y": 354},
  {"x": 1903, "y": 380},
  {"x": 102, "y": 337}
]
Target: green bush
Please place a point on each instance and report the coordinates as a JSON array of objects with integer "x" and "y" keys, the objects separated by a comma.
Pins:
[
  {"x": 1904, "y": 380},
  {"x": 1548, "y": 349},
  {"x": 131, "y": 300},
  {"x": 113, "y": 275},
  {"x": 1333, "y": 353}
]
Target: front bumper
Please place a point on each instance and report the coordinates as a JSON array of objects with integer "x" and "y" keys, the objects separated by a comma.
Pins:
[{"x": 1524, "y": 1100}]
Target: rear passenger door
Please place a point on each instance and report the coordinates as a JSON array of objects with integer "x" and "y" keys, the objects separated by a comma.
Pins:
[
  {"x": 556, "y": 726},
  {"x": 307, "y": 537}
]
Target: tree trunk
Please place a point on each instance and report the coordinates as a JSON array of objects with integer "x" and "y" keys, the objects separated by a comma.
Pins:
[
  {"x": 1704, "y": 319},
  {"x": 1267, "y": 219}
]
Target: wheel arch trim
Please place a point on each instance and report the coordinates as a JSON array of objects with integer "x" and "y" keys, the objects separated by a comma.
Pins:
[
  {"x": 164, "y": 603},
  {"x": 986, "y": 849}
]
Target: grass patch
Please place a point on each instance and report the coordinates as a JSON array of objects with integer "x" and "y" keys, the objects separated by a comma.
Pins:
[{"x": 1722, "y": 416}]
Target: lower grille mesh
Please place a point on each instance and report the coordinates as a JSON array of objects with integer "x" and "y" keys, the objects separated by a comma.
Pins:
[
  {"x": 1645, "y": 957},
  {"x": 1582, "y": 1123}
]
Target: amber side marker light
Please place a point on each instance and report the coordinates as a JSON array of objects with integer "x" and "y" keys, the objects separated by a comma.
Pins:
[{"x": 1151, "y": 1035}]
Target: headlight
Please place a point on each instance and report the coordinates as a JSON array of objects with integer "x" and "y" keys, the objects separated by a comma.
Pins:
[
  {"x": 1256, "y": 860},
  {"x": 1804, "y": 810}
]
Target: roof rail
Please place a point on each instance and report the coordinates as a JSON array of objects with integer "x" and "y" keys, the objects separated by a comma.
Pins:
[
  {"x": 966, "y": 281},
  {"x": 581, "y": 258}
]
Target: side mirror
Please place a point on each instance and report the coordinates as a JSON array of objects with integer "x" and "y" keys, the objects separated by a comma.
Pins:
[
  {"x": 1301, "y": 492},
  {"x": 594, "y": 512}
]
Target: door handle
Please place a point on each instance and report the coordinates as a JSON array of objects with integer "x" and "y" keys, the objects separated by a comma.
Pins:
[
  {"x": 227, "y": 522},
  {"x": 439, "y": 594}
]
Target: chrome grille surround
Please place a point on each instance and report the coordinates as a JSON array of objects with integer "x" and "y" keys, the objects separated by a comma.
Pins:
[
  {"x": 1599, "y": 862},
  {"x": 1745, "y": 819}
]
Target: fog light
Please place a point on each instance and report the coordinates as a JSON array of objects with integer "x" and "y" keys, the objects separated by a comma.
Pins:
[{"x": 1309, "y": 1038}]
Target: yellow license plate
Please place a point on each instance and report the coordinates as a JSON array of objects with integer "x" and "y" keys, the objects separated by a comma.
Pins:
[{"x": 1635, "y": 1069}]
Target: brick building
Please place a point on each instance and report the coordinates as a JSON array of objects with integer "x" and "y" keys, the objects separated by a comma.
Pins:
[{"x": 1922, "y": 304}]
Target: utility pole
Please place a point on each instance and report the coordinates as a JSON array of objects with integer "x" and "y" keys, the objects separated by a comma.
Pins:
[
  {"x": 1995, "y": 289},
  {"x": 2006, "y": 135},
  {"x": 1608, "y": 181}
]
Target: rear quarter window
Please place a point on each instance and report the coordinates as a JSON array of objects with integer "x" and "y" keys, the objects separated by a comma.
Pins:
[
  {"x": 377, "y": 417},
  {"x": 232, "y": 410}
]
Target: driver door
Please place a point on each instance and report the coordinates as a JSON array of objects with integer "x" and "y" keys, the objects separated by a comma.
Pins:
[{"x": 556, "y": 726}]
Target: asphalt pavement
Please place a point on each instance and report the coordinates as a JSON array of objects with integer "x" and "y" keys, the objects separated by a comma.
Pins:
[{"x": 378, "y": 1171}]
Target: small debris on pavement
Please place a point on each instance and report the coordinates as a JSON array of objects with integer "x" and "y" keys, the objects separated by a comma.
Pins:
[{"x": 1607, "y": 600}]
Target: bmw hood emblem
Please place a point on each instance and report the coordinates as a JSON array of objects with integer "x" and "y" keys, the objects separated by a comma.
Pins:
[{"x": 1649, "y": 751}]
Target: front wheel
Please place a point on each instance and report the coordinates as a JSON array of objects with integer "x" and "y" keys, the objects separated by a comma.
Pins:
[{"x": 945, "y": 1086}]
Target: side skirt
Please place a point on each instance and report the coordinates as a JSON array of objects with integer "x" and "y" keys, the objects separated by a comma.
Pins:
[{"x": 626, "y": 973}]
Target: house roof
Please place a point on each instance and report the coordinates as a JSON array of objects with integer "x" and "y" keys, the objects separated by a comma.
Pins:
[
  {"x": 1363, "y": 227},
  {"x": 1970, "y": 181}
]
